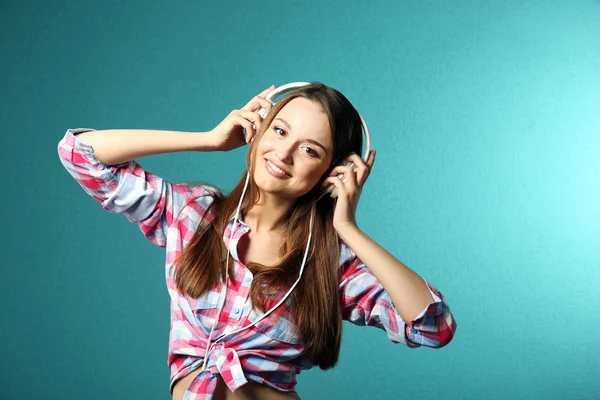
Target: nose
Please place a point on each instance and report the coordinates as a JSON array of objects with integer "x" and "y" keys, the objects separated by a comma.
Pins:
[{"x": 284, "y": 153}]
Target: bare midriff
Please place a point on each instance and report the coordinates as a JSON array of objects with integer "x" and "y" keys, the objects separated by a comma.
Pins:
[{"x": 249, "y": 391}]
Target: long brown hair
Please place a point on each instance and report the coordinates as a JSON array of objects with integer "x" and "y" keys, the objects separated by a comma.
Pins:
[{"x": 315, "y": 302}]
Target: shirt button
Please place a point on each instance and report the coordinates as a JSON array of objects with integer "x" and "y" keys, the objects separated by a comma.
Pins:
[
  {"x": 100, "y": 166},
  {"x": 236, "y": 310}
]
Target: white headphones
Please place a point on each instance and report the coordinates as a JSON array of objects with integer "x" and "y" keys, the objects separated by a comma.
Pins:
[{"x": 330, "y": 189}]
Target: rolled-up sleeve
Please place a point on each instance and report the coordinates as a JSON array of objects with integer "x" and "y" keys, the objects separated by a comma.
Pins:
[
  {"x": 366, "y": 303},
  {"x": 141, "y": 196}
]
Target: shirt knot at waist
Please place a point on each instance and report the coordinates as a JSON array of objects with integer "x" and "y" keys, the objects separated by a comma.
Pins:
[{"x": 226, "y": 362}]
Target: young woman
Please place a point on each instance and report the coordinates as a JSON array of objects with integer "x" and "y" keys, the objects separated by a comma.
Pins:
[{"x": 251, "y": 307}]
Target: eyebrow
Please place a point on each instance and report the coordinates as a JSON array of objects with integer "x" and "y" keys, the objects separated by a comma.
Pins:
[{"x": 308, "y": 140}]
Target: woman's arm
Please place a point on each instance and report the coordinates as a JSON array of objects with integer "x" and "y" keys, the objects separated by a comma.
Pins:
[
  {"x": 380, "y": 291},
  {"x": 126, "y": 188},
  {"x": 408, "y": 291},
  {"x": 116, "y": 146}
]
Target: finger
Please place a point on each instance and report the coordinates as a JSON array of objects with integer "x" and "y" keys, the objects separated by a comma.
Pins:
[
  {"x": 247, "y": 125},
  {"x": 371, "y": 159},
  {"x": 256, "y": 103},
  {"x": 363, "y": 175},
  {"x": 342, "y": 169},
  {"x": 364, "y": 169},
  {"x": 337, "y": 182},
  {"x": 264, "y": 103},
  {"x": 256, "y": 120},
  {"x": 347, "y": 175},
  {"x": 252, "y": 116},
  {"x": 351, "y": 180},
  {"x": 267, "y": 91},
  {"x": 358, "y": 161}
]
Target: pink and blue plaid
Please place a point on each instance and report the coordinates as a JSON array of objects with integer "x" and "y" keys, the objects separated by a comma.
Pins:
[{"x": 269, "y": 353}]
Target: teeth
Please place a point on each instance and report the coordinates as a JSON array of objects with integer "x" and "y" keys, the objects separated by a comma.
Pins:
[{"x": 275, "y": 168}]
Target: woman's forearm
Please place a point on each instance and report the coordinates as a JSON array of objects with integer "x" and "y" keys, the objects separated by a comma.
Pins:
[
  {"x": 115, "y": 146},
  {"x": 408, "y": 291}
]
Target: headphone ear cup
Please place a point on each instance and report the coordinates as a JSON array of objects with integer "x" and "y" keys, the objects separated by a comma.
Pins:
[
  {"x": 263, "y": 113},
  {"x": 331, "y": 189}
]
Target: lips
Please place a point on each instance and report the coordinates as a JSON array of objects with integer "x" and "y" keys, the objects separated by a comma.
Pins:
[{"x": 278, "y": 166}]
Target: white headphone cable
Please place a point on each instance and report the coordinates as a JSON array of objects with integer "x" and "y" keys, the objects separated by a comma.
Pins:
[{"x": 209, "y": 344}]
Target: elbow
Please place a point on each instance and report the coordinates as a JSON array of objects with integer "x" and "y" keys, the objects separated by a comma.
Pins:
[
  {"x": 444, "y": 338},
  {"x": 435, "y": 336},
  {"x": 63, "y": 153},
  {"x": 445, "y": 335}
]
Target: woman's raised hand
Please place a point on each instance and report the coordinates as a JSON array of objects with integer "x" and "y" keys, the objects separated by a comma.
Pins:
[{"x": 228, "y": 135}]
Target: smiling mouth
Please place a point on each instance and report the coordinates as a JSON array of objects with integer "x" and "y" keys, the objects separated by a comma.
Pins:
[{"x": 275, "y": 171}]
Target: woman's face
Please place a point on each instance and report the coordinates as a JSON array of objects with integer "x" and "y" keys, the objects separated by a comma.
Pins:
[{"x": 299, "y": 142}]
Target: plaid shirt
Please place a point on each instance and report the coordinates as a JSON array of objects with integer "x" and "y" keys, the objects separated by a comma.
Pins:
[{"x": 269, "y": 353}]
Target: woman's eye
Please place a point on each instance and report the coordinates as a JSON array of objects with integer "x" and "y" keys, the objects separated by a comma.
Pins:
[{"x": 312, "y": 152}]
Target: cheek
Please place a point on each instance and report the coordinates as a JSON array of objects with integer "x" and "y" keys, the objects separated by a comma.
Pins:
[
  {"x": 262, "y": 147},
  {"x": 313, "y": 173}
]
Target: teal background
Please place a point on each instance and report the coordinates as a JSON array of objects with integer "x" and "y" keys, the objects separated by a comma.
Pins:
[{"x": 486, "y": 118}]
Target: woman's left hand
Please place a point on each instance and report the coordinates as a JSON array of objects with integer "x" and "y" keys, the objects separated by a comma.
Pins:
[{"x": 349, "y": 190}]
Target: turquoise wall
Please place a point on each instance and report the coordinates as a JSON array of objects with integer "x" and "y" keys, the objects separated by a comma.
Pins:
[{"x": 486, "y": 118}]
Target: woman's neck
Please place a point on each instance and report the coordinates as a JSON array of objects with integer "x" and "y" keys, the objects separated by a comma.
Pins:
[{"x": 266, "y": 220}]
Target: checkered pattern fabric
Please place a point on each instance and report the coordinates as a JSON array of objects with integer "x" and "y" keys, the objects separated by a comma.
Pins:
[{"x": 269, "y": 353}]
